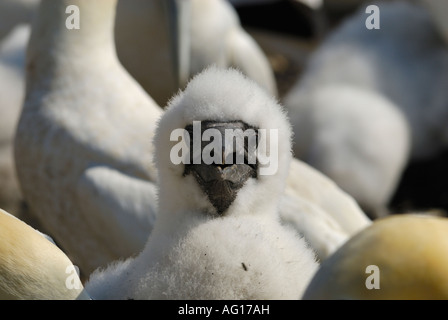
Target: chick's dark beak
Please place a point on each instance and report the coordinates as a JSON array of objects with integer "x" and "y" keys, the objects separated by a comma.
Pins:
[{"x": 222, "y": 181}]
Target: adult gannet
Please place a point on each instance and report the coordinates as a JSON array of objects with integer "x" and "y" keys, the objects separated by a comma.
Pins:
[
  {"x": 400, "y": 257},
  {"x": 83, "y": 144},
  {"x": 217, "y": 233},
  {"x": 32, "y": 267},
  {"x": 211, "y": 33},
  {"x": 397, "y": 67}
]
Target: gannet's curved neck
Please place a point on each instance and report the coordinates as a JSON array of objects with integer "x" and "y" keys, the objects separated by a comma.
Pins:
[{"x": 57, "y": 44}]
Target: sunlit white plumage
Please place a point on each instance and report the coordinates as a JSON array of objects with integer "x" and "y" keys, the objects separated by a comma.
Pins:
[
  {"x": 32, "y": 267},
  {"x": 83, "y": 145},
  {"x": 193, "y": 251}
]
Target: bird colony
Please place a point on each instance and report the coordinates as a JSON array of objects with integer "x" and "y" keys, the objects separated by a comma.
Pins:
[{"x": 170, "y": 149}]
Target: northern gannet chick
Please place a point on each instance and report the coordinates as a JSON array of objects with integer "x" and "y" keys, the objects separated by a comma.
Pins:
[
  {"x": 400, "y": 257},
  {"x": 400, "y": 64},
  {"x": 83, "y": 144},
  {"x": 32, "y": 267},
  {"x": 211, "y": 22},
  {"x": 217, "y": 234}
]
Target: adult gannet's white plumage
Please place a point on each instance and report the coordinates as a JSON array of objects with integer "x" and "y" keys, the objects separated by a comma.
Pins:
[
  {"x": 397, "y": 72},
  {"x": 213, "y": 35},
  {"x": 12, "y": 92},
  {"x": 408, "y": 258},
  {"x": 32, "y": 267},
  {"x": 314, "y": 4},
  {"x": 83, "y": 145},
  {"x": 217, "y": 234}
]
